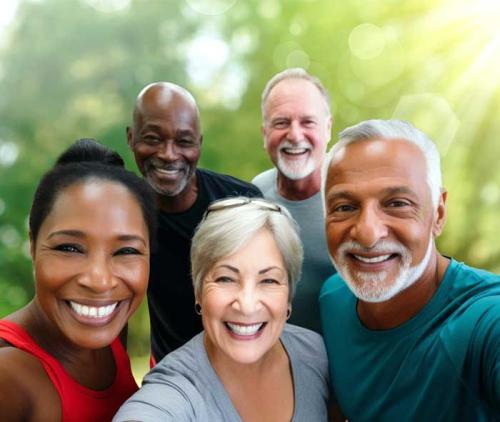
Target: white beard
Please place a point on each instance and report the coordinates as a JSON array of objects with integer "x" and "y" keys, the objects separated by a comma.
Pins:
[
  {"x": 295, "y": 169},
  {"x": 373, "y": 287}
]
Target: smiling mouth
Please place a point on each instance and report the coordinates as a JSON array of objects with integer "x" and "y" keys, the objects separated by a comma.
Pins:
[
  {"x": 294, "y": 151},
  {"x": 373, "y": 259},
  {"x": 96, "y": 312},
  {"x": 168, "y": 172},
  {"x": 245, "y": 330}
]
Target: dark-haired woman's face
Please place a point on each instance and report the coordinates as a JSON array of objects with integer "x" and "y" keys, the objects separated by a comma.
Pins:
[{"x": 91, "y": 262}]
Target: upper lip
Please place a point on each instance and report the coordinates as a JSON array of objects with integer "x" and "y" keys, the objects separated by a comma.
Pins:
[
  {"x": 370, "y": 255},
  {"x": 95, "y": 303}
]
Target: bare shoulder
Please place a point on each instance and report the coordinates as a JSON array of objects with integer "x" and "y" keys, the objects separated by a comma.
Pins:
[{"x": 26, "y": 392}]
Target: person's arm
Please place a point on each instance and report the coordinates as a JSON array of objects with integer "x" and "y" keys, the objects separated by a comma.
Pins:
[
  {"x": 14, "y": 400},
  {"x": 159, "y": 399},
  {"x": 26, "y": 393}
]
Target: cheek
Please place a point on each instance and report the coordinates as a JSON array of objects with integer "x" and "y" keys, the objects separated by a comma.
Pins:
[
  {"x": 278, "y": 304},
  {"x": 332, "y": 238},
  {"x": 53, "y": 273},
  {"x": 273, "y": 141},
  {"x": 213, "y": 304},
  {"x": 134, "y": 275}
]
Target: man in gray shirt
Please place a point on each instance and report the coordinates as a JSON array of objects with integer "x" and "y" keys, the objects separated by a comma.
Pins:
[{"x": 296, "y": 127}]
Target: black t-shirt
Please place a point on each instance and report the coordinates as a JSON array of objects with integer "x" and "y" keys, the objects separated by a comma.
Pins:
[{"x": 170, "y": 291}]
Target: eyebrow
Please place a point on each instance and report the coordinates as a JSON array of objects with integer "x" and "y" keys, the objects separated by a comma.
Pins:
[
  {"x": 396, "y": 190},
  {"x": 267, "y": 269},
  {"x": 79, "y": 234},
  {"x": 73, "y": 233},
  {"x": 231, "y": 268},
  {"x": 338, "y": 195},
  {"x": 185, "y": 132},
  {"x": 263, "y": 271}
]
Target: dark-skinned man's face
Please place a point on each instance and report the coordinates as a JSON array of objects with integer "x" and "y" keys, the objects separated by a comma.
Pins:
[{"x": 166, "y": 142}]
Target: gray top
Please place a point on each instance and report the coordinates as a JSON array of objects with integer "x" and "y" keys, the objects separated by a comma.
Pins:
[
  {"x": 317, "y": 265},
  {"x": 185, "y": 387}
]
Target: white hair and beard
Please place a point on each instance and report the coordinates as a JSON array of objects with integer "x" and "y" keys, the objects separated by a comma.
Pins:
[
  {"x": 372, "y": 286},
  {"x": 295, "y": 169}
]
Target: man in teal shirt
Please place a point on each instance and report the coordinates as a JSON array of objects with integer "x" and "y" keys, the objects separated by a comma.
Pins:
[{"x": 411, "y": 335}]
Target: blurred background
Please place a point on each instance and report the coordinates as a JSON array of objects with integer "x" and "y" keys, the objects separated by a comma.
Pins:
[{"x": 72, "y": 69}]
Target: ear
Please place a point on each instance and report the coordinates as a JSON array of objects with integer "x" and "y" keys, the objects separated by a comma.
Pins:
[
  {"x": 440, "y": 214},
  {"x": 129, "y": 137},
  {"x": 263, "y": 132},
  {"x": 201, "y": 138},
  {"x": 329, "y": 125}
]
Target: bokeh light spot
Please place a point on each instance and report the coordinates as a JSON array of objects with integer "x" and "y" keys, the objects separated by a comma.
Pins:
[
  {"x": 9, "y": 236},
  {"x": 298, "y": 58},
  {"x": 490, "y": 193},
  {"x": 432, "y": 114},
  {"x": 366, "y": 41},
  {"x": 8, "y": 153}
]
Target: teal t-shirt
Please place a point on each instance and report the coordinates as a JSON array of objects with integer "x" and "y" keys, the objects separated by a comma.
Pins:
[{"x": 441, "y": 365}]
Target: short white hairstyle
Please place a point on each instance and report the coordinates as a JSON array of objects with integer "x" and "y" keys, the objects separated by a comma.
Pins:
[
  {"x": 224, "y": 231},
  {"x": 293, "y": 73},
  {"x": 390, "y": 130}
]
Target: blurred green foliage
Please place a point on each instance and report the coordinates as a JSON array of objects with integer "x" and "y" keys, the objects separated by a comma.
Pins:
[{"x": 71, "y": 69}]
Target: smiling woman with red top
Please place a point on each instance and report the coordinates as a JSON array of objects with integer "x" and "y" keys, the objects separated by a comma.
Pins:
[
  {"x": 90, "y": 229},
  {"x": 247, "y": 364}
]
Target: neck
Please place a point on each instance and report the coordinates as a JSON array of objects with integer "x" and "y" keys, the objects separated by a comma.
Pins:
[
  {"x": 406, "y": 304},
  {"x": 228, "y": 369},
  {"x": 297, "y": 190},
  {"x": 180, "y": 202}
]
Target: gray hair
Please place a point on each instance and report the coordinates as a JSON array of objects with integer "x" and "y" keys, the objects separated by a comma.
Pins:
[
  {"x": 224, "y": 231},
  {"x": 293, "y": 73},
  {"x": 391, "y": 130}
]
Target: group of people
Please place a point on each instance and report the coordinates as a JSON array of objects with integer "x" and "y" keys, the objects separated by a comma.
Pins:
[{"x": 314, "y": 293}]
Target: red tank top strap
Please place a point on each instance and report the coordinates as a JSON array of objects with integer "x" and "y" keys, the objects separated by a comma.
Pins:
[{"x": 78, "y": 403}]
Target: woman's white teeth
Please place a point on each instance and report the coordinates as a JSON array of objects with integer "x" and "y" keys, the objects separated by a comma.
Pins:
[
  {"x": 372, "y": 260},
  {"x": 244, "y": 330},
  {"x": 93, "y": 311}
]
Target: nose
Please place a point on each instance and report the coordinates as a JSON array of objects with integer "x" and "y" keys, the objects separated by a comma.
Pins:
[
  {"x": 98, "y": 276},
  {"x": 168, "y": 151},
  {"x": 294, "y": 132},
  {"x": 369, "y": 227},
  {"x": 247, "y": 300}
]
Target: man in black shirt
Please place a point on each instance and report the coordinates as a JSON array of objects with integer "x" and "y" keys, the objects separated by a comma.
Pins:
[{"x": 166, "y": 141}]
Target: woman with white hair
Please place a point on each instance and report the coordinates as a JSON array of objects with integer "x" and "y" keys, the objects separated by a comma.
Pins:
[{"x": 247, "y": 364}]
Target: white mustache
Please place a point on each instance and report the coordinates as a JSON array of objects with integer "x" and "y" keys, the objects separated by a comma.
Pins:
[
  {"x": 294, "y": 145},
  {"x": 382, "y": 247}
]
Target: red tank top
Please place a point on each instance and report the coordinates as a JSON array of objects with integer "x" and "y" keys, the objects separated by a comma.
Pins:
[{"x": 78, "y": 403}]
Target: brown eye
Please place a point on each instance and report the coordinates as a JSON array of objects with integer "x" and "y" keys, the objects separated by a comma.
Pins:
[
  {"x": 127, "y": 251},
  {"x": 68, "y": 247},
  {"x": 223, "y": 279}
]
